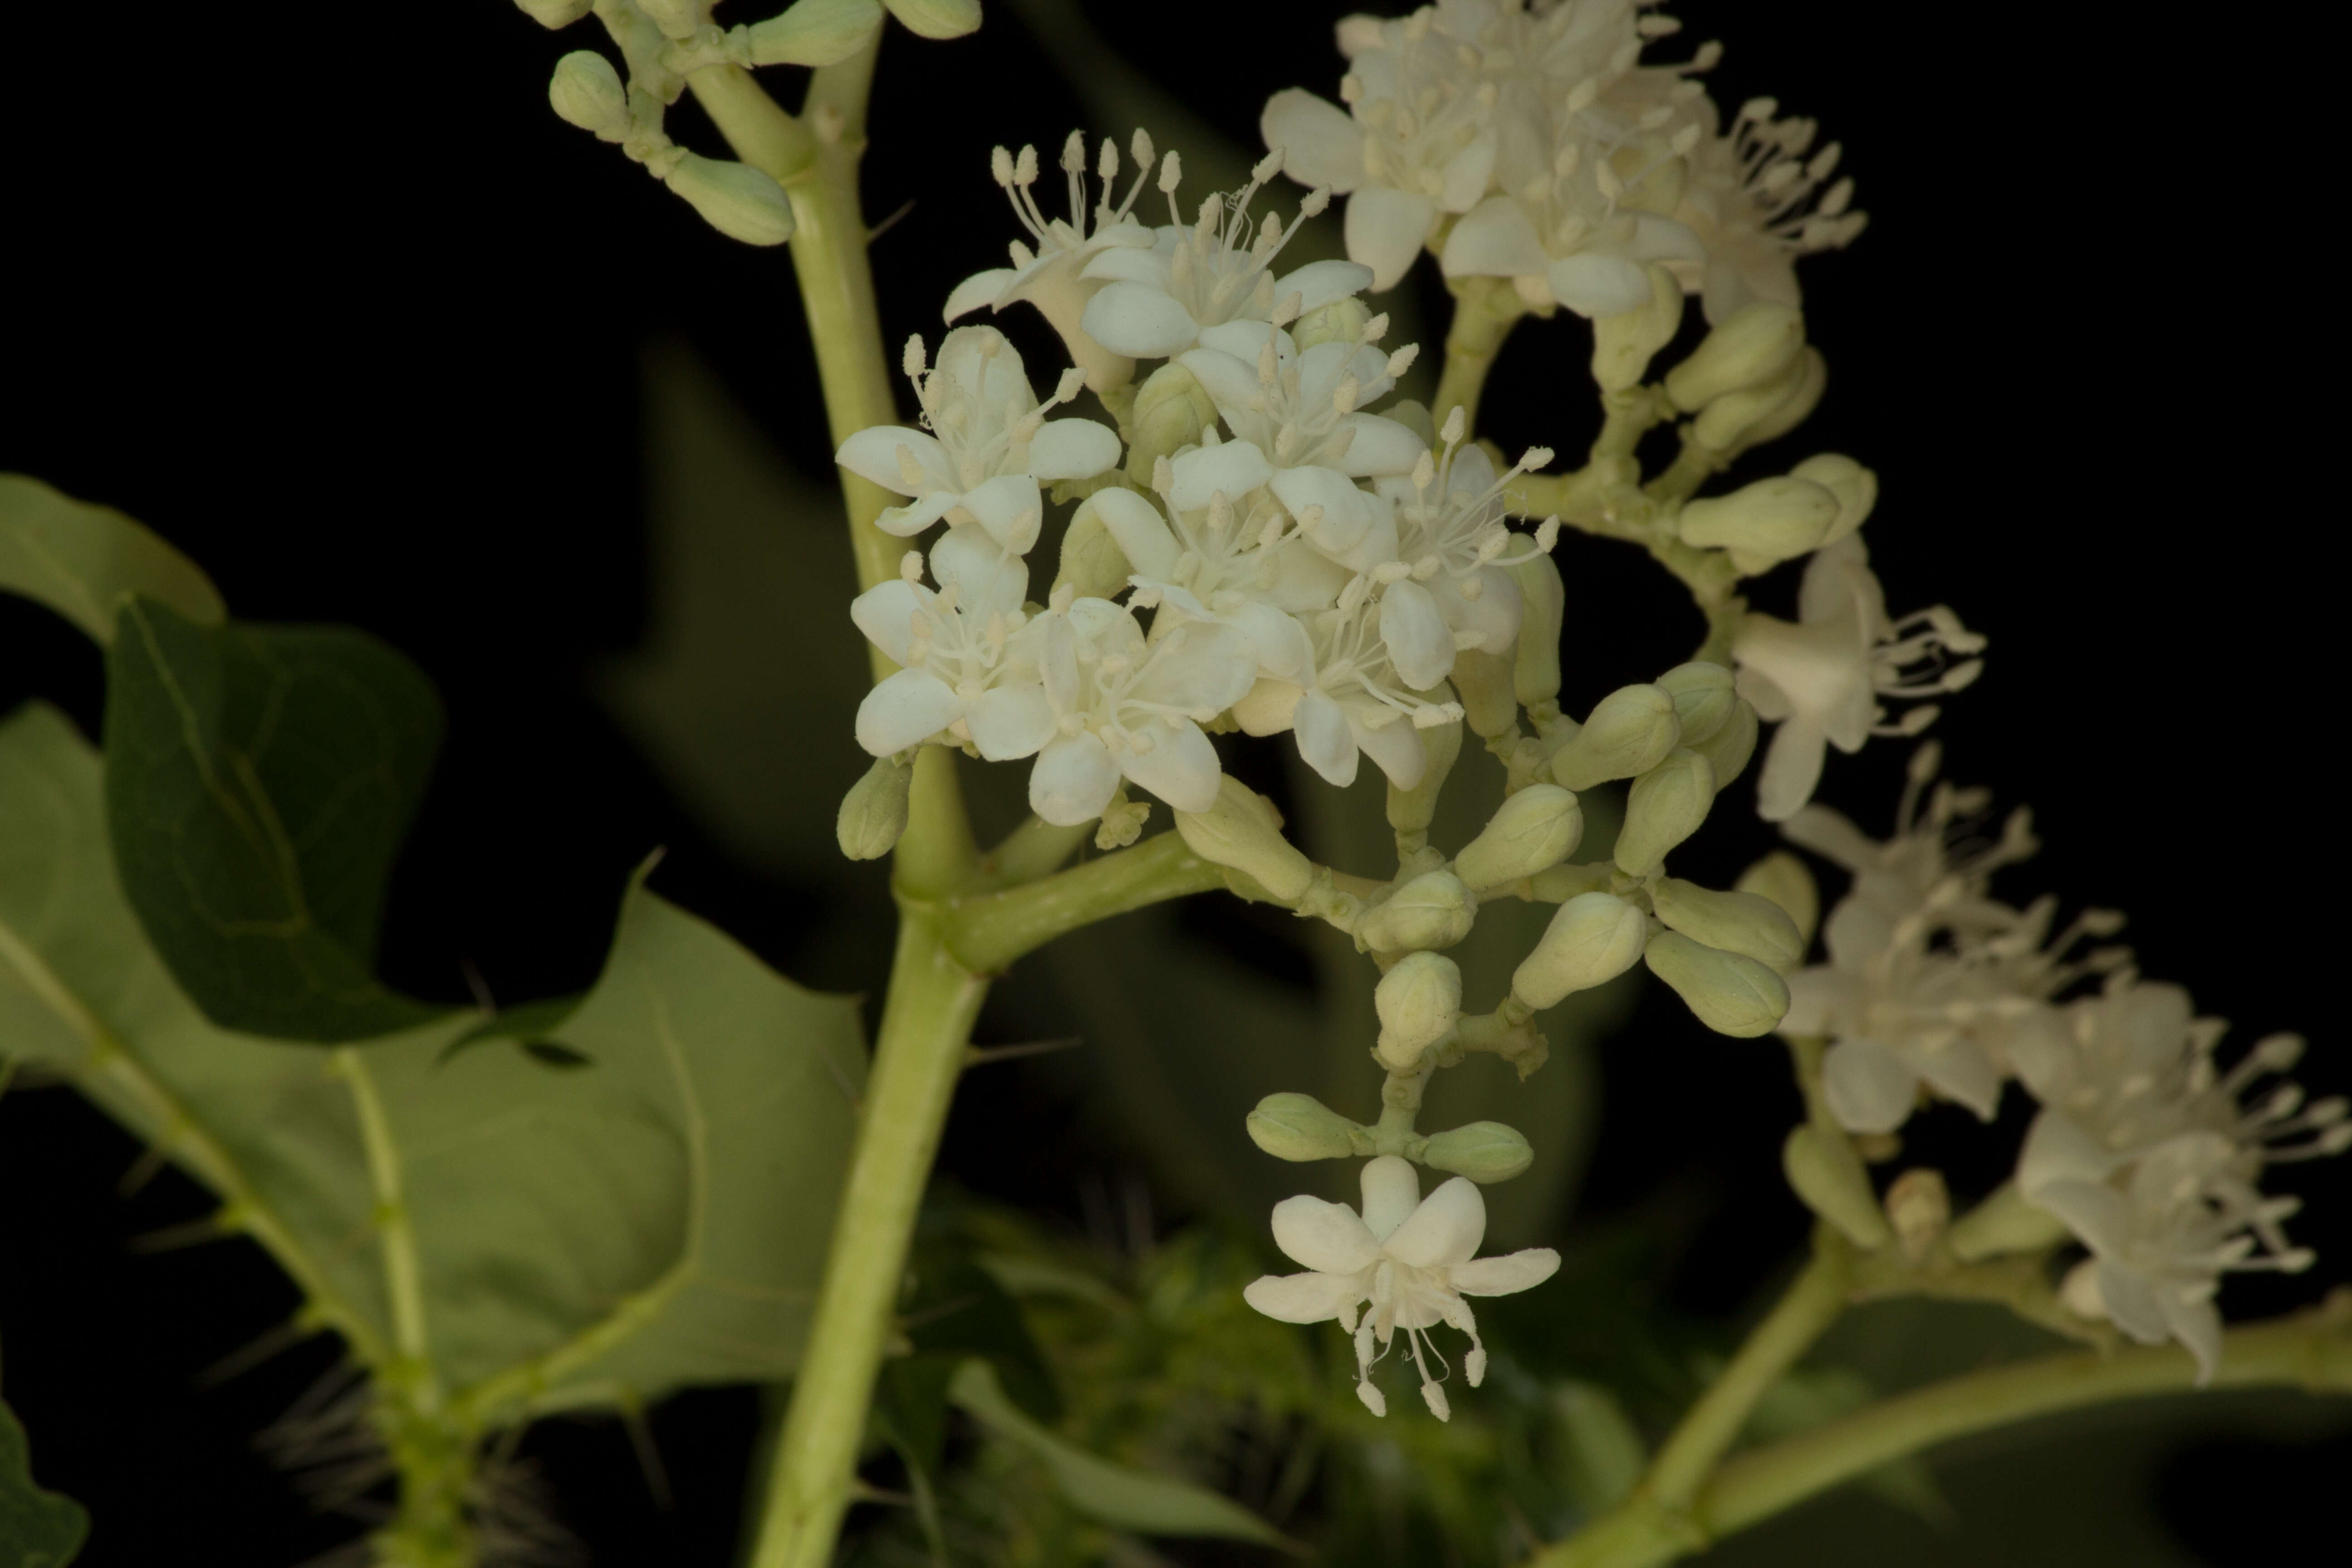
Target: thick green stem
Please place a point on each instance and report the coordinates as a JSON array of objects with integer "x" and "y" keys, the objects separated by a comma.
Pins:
[
  {"x": 1485, "y": 311},
  {"x": 988, "y": 933},
  {"x": 1035, "y": 848}
]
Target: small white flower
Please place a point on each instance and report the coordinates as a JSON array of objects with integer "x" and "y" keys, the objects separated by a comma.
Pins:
[
  {"x": 1452, "y": 537},
  {"x": 1757, "y": 202},
  {"x": 1302, "y": 409},
  {"x": 1412, "y": 1259},
  {"x": 968, "y": 653},
  {"x": 1354, "y": 701},
  {"x": 1821, "y": 678}
]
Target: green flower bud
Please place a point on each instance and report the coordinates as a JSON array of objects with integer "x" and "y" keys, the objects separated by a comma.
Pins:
[
  {"x": 936, "y": 18},
  {"x": 1825, "y": 1173},
  {"x": 1531, "y": 831},
  {"x": 1735, "y": 923},
  {"x": 1664, "y": 807},
  {"x": 1733, "y": 423},
  {"x": 2005, "y": 1223},
  {"x": 586, "y": 91},
  {"x": 815, "y": 33},
  {"x": 1630, "y": 731},
  {"x": 1754, "y": 348},
  {"x": 1244, "y": 831},
  {"x": 554, "y": 14},
  {"x": 1484, "y": 1152},
  {"x": 1411, "y": 810},
  {"x": 873, "y": 812},
  {"x": 1783, "y": 879},
  {"x": 1340, "y": 321},
  {"x": 1092, "y": 562},
  {"x": 1622, "y": 344},
  {"x": 736, "y": 199},
  {"x": 1432, "y": 911},
  {"x": 1730, "y": 993},
  {"x": 1702, "y": 699},
  {"x": 1172, "y": 411},
  {"x": 1484, "y": 683},
  {"x": 1300, "y": 1127},
  {"x": 1592, "y": 939},
  {"x": 1768, "y": 522},
  {"x": 1543, "y": 602},
  {"x": 1855, "y": 487},
  {"x": 1727, "y": 750},
  {"x": 1418, "y": 1001}
]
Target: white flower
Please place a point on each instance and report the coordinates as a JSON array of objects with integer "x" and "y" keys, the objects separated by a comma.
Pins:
[
  {"x": 1411, "y": 1258},
  {"x": 1452, "y": 536},
  {"x": 1821, "y": 678},
  {"x": 985, "y": 444},
  {"x": 968, "y": 653},
  {"x": 1155, "y": 302},
  {"x": 1757, "y": 202},
  {"x": 1301, "y": 409},
  {"x": 1052, "y": 276}
]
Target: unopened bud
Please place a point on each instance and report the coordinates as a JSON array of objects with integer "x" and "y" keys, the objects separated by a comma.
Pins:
[
  {"x": 1783, "y": 879},
  {"x": 1735, "y": 923},
  {"x": 1624, "y": 343},
  {"x": 1630, "y": 731},
  {"x": 2005, "y": 1223},
  {"x": 815, "y": 33},
  {"x": 736, "y": 199},
  {"x": 1770, "y": 520},
  {"x": 1244, "y": 831},
  {"x": 1172, "y": 411},
  {"x": 1732, "y": 424},
  {"x": 553, "y": 13},
  {"x": 1483, "y": 682},
  {"x": 1664, "y": 807},
  {"x": 1092, "y": 562},
  {"x": 586, "y": 91},
  {"x": 1301, "y": 1126},
  {"x": 1702, "y": 699},
  {"x": 873, "y": 812},
  {"x": 1432, "y": 911},
  {"x": 1855, "y": 487},
  {"x": 1340, "y": 321},
  {"x": 1730, "y": 993},
  {"x": 1754, "y": 348},
  {"x": 1484, "y": 1152},
  {"x": 1727, "y": 750},
  {"x": 936, "y": 18},
  {"x": 1531, "y": 831},
  {"x": 1418, "y": 1001},
  {"x": 1543, "y": 602},
  {"x": 1831, "y": 1183},
  {"x": 1919, "y": 1207},
  {"x": 1592, "y": 939}
]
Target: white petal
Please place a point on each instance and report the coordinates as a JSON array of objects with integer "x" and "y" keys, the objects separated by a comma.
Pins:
[
  {"x": 1379, "y": 447},
  {"x": 1275, "y": 641},
  {"x": 1505, "y": 1276},
  {"x": 1132, "y": 264},
  {"x": 1466, "y": 174},
  {"x": 907, "y": 707},
  {"x": 1320, "y": 283},
  {"x": 1791, "y": 768},
  {"x": 986, "y": 582},
  {"x": 1181, "y": 768},
  {"x": 1009, "y": 508},
  {"x": 1493, "y": 617},
  {"x": 2057, "y": 1150},
  {"x": 1391, "y": 1190},
  {"x": 1073, "y": 780},
  {"x": 1385, "y": 229},
  {"x": 872, "y": 454},
  {"x": 1961, "y": 1070},
  {"x": 1268, "y": 707},
  {"x": 2094, "y": 1211},
  {"x": 1394, "y": 748},
  {"x": 2197, "y": 1324},
  {"x": 906, "y": 522},
  {"x": 1138, "y": 320},
  {"x": 1231, "y": 469},
  {"x": 1202, "y": 665},
  {"x": 1245, "y": 339},
  {"x": 984, "y": 361},
  {"x": 1303, "y": 1298},
  {"x": 1324, "y": 737},
  {"x": 1444, "y": 1230},
  {"x": 886, "y": 614},
  {"x": 1418, "y": 639},
  {"x": 1321, "y": 143},
  {"x": 1493, "y": 239},
  {"x": 1350, "y": 527},
  {"x": 1140, "y": 533},
  {"x": 1072, "y": 449},
  {"x": 1328, "y": 1238},
  {"x": 1229, "y": 382},
  {"x": 1010, "y": 722},
  {"x": 1595, "y": 283},
  {"x": 1659, "y": 238},
  {"x": 1868, "y": 1087},
  {"x": 2132, "y": 1304}
]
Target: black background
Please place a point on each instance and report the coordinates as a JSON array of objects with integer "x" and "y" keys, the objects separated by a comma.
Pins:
[{"x": 332, "y": 300}]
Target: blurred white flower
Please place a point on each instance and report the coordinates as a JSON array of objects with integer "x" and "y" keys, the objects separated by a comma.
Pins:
[{"x": 1756, "y": 203}]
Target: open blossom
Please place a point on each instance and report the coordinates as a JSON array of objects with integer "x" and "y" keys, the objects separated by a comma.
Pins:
[
  {"x": 985, "y": 446},
  {"x": 1411, "y": 1259},
  {"x": 967, "y": 653},
  {"x": 1304, "y": 408},
  {"x": 1821, "y": 678},
  {"x": 1452, "y": 537},
  {"x": 1756, "y": 201}
]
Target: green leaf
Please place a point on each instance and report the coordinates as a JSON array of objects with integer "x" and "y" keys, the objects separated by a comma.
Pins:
[
  {"x": 581, "y": 1235},
  {"x": 1112, "y": 1494},
  {"x": 82, "y": 561},
  {"x": 259, "y": 780},
  {"x": 38, "y": 1528}
]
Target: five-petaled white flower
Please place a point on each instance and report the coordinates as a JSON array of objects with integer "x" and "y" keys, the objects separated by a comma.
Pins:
[{"x": 1411, "y": 1258}]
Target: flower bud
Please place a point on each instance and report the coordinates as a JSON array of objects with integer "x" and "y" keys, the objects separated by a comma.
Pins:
[
  {"x": 1172, "y": 411},
  {"x": 936, "y": 18},
  {"x": 1432, "y": 911},
  {"x": 1340, "y": 321},
  {"x": 1855, "y": 487},
  {"x": 1830, "y": 1181},
  {"x": 1413, "y": 810},
  {"x": 1622, "y": 344},
  {"x": 1418, "y": 1001},
  {"x": 1592, "y": 939},
  {"x": 1092, "y": 562},
  {"x": 1755, "y": 347},
  {"x": 1727, "y": 750},
  {"x": 736, "y": 199},
  {"x": 554, "y": 14},
  {"x": 2005, "y": 1223},
  {"x": 1484, "y": 1152},
  {"x": 1543, "y": 602},
  {"x": 1664, "y": 807},
  {"x": 1750, "y": 419},
  {"x": 1768, "y": 522},
  {"x": 1630, "y": 731},
  {"x": 815, "y": 33},
  {"x": 1783, "y": 879},
  {"x": 1244, "y": 831},
  {"x": 1730, "y": 993},
  {"x": 1702, "y": 699},
  {"x": 586, "y": 91},
  {"x": 1735, "y": 923},
  {"x": 1920, "y": 1207},
  {"x": 1484, "y": 683},
  {"x": 1301, "y": 1126},
  {"x": 873, "y": 812},
  {"x": 1531, "y": 831}
]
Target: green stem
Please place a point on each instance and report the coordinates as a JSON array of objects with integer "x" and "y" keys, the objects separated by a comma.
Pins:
[
  {"x": 987, "y": 933},
  {"x": 1035, "y": 848},
  {"x": 410, "y": 1373},
  {"x": 1485, "y": 311}
]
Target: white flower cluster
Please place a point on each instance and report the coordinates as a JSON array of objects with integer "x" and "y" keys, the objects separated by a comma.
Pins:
[
  {"x": 1525, "y": 139},
  {"x": 2143, "y": 1147}
]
